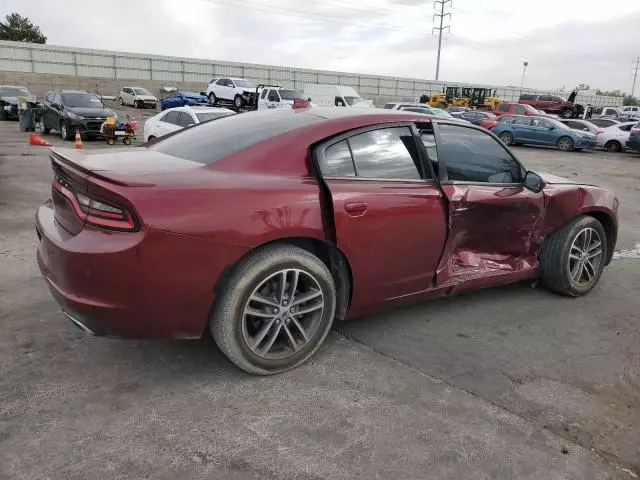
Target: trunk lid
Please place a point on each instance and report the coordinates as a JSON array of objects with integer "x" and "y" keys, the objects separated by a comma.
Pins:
[{"x": 78, "y": 175}]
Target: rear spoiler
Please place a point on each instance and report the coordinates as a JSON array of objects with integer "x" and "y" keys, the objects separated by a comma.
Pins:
[{"x": 76, "y": 162}]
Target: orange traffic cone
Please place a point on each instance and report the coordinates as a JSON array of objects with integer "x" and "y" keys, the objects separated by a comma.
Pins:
[
  {"x": 35, "y": 139},
  {"x": 79, "y": 145}
]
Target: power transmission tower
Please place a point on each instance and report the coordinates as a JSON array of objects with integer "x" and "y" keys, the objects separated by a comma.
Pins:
[
  {"x": 440, "y": 4},
  {"x": 635, "y": 75}
]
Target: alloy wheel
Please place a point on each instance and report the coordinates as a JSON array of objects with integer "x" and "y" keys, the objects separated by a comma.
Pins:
[
  {"x": 282, "y": 314},
  {"x": 564, "y": 144},
  {"x": 585, "y": 257}
]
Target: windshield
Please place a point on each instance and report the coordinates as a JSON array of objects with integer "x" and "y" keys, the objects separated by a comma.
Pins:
[
  {"x": 206, "y": 116},
  {"x": 290, "y": 94},
  {"x": 86, "y": 100},
  {"x": 13, "y": 92},
  {"x": 353, "y": 100},
  {"x": 441, "y": 113},
  {"x": 241, "y": 82},
  {"x": 141, "y": 91}
]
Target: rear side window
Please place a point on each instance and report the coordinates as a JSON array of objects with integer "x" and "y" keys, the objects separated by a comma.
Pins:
[
  {"x": 389, "y": 153},
  {"x": 519, "y": 110},
  {"x": 222, "y": 81},
  {"x": 503, "y": 107},
  {"x": 171, "y": 117},
  {"x": 527, "y": 97},
  {"x": 386, "y": 153},
  {"x": 389, "y": 106},
  {"x": 211, "y": 141},
  {"x": 474, "y": 156},
  {"x": 337, "y": 161},
  {"x": 185, "y": 119},
  {"x": 625, "y": 128}
]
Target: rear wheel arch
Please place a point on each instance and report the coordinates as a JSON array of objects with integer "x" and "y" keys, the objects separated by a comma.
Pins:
[{"x": 330, "y": 255}]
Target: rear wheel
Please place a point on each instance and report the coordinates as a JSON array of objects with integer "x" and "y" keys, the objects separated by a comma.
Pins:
[
  {"x": 136, "y": 104},
  {"x": 568, "y": 113},
  {"x": 613, "y": 146},
  {"x": 565, "y": 144},
  {"x": 121, "y": 101},
  {"x": 573, "y": 257},
  {"x": 275, "y": 310},
  {"x": 126, "y": 141},
  {"x": 506, "y": 138}
]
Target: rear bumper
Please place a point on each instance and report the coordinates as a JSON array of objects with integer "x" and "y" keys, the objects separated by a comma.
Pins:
[{"x": 140, "y": 285}]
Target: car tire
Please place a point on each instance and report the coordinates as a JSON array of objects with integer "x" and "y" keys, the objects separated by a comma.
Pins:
[
  {"x": 274, "y": 340},
  {"x": 613, "y": 146},
  {"x": 65, "y": 132},
  {"x": 121, "y": 101},
  {"x": 43, "y": 127},
  {"x": 150, "y": 137},
  {"x": 237, "y": 101},
  {"x": 212, "y": 98},
  {"x": 568, "y": 266},
  {"x": 506, "y": 138},
  {"x": 136, "y": 104},
  {"x": 565, "y": 144}
]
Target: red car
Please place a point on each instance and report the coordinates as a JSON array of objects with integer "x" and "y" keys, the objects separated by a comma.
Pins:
[
  {"x": 516, "y": 109},
  {"x": 551, "y": 103},
  {"x": 265, "y": 226}
]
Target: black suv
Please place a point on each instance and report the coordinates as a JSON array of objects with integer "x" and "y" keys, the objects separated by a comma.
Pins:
[{"x": 67, "y": 111}]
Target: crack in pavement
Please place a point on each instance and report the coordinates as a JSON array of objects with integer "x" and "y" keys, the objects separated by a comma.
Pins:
[{"x": 609, "y": 458}]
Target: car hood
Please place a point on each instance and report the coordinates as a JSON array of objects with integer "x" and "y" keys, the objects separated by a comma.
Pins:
[
  {"x": 90, "y": 112},
  {"x": 11, "y": 100}
]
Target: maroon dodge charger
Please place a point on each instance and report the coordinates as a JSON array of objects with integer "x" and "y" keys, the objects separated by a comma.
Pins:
[{"x": 267, "y": 226}]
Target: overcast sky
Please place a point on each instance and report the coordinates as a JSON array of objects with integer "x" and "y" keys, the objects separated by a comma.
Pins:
[{"x": 566, "y": 42}]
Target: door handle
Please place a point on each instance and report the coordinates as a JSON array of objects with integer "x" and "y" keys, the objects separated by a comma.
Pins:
[{"x": 355, "y": 209}]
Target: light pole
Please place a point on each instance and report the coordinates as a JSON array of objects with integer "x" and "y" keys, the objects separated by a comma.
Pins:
[{"x": 524, "y": 70}]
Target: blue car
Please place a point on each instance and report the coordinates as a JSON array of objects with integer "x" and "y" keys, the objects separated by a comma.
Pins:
[
  {"x": 634, "y": 138},
  {"x": 519, "y": 129},
  {"x": 182, "y": 99},
  {"x": 476, "y": 117}
]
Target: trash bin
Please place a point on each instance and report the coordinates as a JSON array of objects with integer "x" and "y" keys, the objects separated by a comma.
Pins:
[{"x": 27, "y": 119}]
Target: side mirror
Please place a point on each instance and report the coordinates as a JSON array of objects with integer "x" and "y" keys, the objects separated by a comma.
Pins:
[
  {"x": 586, "y": 129},
  {"x": 533, "y": 182}
]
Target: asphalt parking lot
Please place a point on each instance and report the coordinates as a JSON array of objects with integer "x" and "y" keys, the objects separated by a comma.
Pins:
[{"x": 508, "y": 383}]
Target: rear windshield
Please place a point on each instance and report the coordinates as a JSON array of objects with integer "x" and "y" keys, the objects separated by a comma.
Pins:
[{"x": 211, "y": 141}]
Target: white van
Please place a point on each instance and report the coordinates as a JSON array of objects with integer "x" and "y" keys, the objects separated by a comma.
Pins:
[
  {"x": 277, "y": 97},
  {"x": 334, "y": 96}
]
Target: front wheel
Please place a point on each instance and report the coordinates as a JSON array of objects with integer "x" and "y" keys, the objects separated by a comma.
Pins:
[
  {"x": 65, "y": 132},
  {"x": 506, "y": 138},
  {"x": 568, "y": 113},
  {"x": 121, "y": 101},
  {"x": 275, "y": 310},
  {"x": 573, "y": 257},
  {"x": 136, "y": 104},
  {"x": 43, "y": 127},
  {"x": 565, "y": 144},
  {"x": 237, "y": 101},
  {"x": 212, "y": 98}
]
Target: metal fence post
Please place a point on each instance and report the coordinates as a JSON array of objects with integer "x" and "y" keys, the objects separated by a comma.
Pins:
[{"x": 75, "y": 63}]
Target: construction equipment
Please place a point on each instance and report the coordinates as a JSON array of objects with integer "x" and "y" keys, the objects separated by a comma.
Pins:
[{"x": 450, "y": 96}]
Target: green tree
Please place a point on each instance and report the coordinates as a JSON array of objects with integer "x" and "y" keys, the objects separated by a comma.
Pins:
[{"x": 20, "y": 29}]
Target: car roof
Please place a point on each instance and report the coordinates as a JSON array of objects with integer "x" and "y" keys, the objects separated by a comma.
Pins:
[{"x": 13, "y": 86}]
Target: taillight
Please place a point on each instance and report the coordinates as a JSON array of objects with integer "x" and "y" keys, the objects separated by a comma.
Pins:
[
  {"x": 97, "y": 212},
  {"x": 599, "y": 132},
  {"x": 300, "y": 103},
  {"x": 635, "y": 131}
]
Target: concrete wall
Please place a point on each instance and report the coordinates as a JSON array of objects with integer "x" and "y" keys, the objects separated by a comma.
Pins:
[{"x": 44, "y": 67}]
